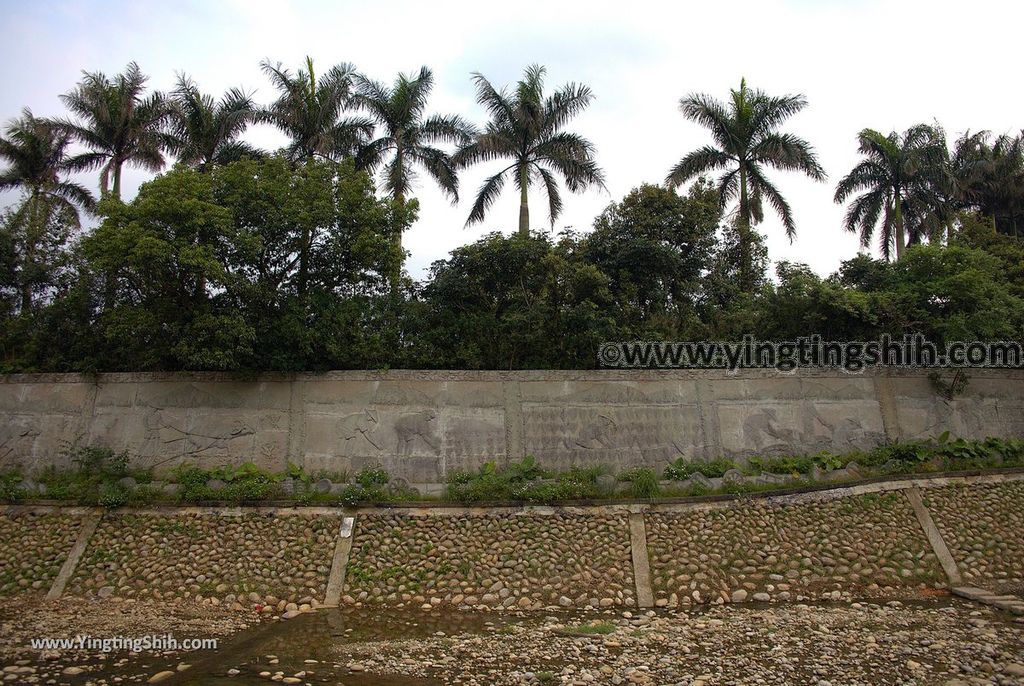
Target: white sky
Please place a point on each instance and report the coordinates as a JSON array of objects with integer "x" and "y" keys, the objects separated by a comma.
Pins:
[{"x": 884, "y": 65}]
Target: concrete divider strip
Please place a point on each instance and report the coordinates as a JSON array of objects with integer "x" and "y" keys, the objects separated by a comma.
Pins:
[
  {"x": 89, "y": 523},
  {"x": 342, "y": 548},
  {"x": 924, "y": 517},
  {"x": 641, "y": 563}
]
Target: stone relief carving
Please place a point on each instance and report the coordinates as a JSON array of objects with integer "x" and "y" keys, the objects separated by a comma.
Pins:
[
  {"x": 161, "y": 434},
  {"x": 764, "y": 424},
  {"x": 593, "y": 435},
  {"x": 418, "y": 425},
  {"x": 360, "y": 425},
  {"x": 19, "y": 442}
]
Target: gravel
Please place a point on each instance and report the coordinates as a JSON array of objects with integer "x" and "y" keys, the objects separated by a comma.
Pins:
[{"x": 938, "y": 642}]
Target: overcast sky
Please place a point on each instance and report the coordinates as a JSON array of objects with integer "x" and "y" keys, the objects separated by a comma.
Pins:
[{"x": 884, "y": 65}]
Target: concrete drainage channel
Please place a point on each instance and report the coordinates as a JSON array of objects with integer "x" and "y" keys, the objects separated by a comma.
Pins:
[{"x": 874, "y": 539}]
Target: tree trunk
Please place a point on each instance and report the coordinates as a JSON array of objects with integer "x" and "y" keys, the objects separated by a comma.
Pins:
[
  {"x": 396, "y": 272},
  {"x": 117, "y": 180},
  {"x": 900, "y": 237},
  {"x": 524, "y": 205},
  {"x": 105, "y": 180},
  {"x": 743, "y": 229},
  {"x": 30, "y": 253},
  {"x": 400, "y": 197}
]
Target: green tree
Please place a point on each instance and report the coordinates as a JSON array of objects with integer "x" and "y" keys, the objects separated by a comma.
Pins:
[
  {"x": 726, "y": 308},
  {"x": 899, "y": 177},
  {"x": 802, "y": 304},
  {"x": 988, "y": 176},
  {"x": 975, "y": 230},
  {"x": 206, "y": 131},
  {"x": 311, "y": 226},
  {"x": 329, "y": 315},
  {"x": 513, "y": 303},
  {"x": 408, "y": 137},
  {"x": 39, "y": 228},
  {"x": 119, "y": 123},
  {"x": 309, "y": 111},
  {"x": 165, "y": 279},
  {"x": 655, "y": 247},
  {"x": 526, "y": 128},
  {"x": 747, "y": 144}
]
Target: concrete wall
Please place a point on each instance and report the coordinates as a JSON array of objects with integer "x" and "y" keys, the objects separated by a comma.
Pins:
[{"x": 421, "y": 425}]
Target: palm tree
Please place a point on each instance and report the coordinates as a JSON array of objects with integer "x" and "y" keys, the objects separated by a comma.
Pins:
[
  {"x": 747, "y": 143},
  {"x": 899, "y": 177},
  {"x": 309, "y": 111},
  {"x": 206, "y": 131},
  {"x": 119, "y": 124},
  {"x": 36, "y": 149},
  {"x": 408, "y": 136},
  {"x": 525, "y": 128},
  {"x": 989, "y": 176}
]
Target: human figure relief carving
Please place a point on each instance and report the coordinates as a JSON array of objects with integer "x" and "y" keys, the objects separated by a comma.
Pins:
[
  {"x": 594, "y": 435},
  {"x": 763, "y": 424},
  {"x": 360, "y": 425},
  {"x": 18, "y": 442},
  {"x": 161, "y": 434}
]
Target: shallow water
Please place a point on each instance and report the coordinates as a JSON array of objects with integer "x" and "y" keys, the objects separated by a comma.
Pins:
[{"x": 314, "y": 636}]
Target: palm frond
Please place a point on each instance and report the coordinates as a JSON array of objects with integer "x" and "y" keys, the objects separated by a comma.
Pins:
[
  {"x": 703, "y": 160},
  {"x": 486, "y": 197}
]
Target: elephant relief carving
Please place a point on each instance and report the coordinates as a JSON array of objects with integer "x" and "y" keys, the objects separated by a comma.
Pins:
[{"x": 419, "y": 425}]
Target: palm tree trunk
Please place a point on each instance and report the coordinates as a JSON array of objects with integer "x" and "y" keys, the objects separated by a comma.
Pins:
[
  {"x": 117, "y": 180},
  {"x": 524, "y": 205},
  {"x": 900, "y": 233},
  {"x": 400, "y": 197},
  {"x": 105, "y": 180},
  {"x": 396, "y": 273},
  {"x": 30, "y": 253},
  {"x": 743, "y": 229},
  {"x": 304, "y": 248}
]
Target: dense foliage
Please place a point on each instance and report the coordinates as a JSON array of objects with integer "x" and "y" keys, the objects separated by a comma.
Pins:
[
  {"x": 266, "y": 265},
  {"x": 242, "y": 260}
]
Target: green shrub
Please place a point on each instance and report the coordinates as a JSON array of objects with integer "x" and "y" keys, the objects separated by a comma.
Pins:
[
  {"x": 98, "y": 464},
  {"x": 791, "y": 464},
  {"x": 369, "y": 477},
  {"x": 682, "y": 469},
  {"x": 112, "y": 495},
  {"x": 9, "y": 480},
  {"x": 643, "y": 482},
  {"x": 242, "y": 484},
  {"x": 192, "y": 482}
]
